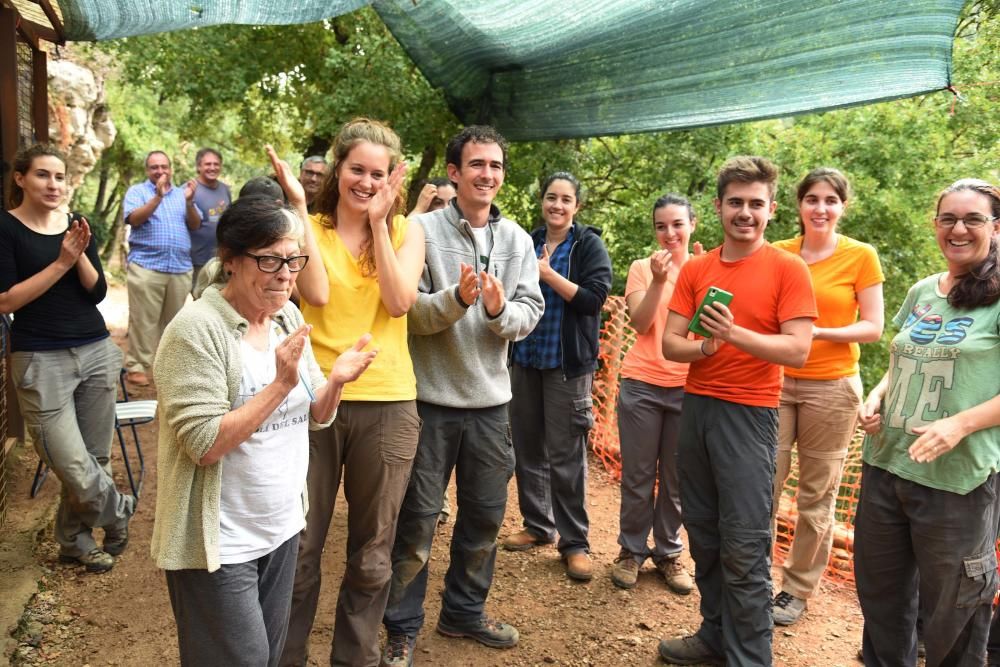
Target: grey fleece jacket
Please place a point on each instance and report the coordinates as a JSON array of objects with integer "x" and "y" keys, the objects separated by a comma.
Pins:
[{"x": 460, "y": 353}]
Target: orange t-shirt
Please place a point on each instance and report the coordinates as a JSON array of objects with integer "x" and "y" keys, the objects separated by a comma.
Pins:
[
  {"x": 769, "y": 287},
  {"x": 644, "y": 361},
  {"x": 852, "y": 267}
]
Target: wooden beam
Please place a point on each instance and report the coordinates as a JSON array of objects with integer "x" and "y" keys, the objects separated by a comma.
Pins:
[
  {"x": 57, "y": 26},
  {"x": 28, "y": 31},
  {"x": 40, "y": 94},
  {"x": 45, "y": 32},
  {"x": 8, "y": 95}
]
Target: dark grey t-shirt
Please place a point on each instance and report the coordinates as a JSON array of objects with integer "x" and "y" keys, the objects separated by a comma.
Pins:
[{"x": 211, "y": 203}]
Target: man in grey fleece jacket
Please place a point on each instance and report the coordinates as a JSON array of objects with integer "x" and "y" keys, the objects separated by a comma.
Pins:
[{"x": 479, "y": 292}]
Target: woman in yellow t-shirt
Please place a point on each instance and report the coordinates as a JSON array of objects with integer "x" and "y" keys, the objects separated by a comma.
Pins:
[
  {"x": 819, "y": 401},
  {"x": 373, "y": 260}
]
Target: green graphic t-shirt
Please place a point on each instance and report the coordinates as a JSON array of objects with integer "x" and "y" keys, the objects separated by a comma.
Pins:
[{"x": 942, "y": 361}]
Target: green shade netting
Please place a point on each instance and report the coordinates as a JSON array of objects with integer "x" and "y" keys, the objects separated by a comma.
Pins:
[{"x": 551, "y": 69}]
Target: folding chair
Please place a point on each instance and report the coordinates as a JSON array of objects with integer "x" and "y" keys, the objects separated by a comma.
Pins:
[{"x": 129, "y": 414}]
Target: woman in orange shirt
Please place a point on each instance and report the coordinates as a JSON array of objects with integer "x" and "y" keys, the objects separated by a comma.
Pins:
[
  {"x": 819, "y": 401},
  {"x": 649, "y": 408}
]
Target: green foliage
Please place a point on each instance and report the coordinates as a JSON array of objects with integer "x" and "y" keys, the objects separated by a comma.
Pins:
[{"x": 237, "y": 87}]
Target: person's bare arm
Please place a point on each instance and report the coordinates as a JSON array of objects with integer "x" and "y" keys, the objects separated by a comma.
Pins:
[
  {"x": 191, "y": 214},
  {"x": 312, "y": 283},
  {"x": 788, "y": 348},
  {"x": 398, "y": 270},
  {"x": 642, "y": 305},
  {"x": 74, "y": 244},
  {"x": 239, "y": 424},
  {"x": 871, "y": 320}
]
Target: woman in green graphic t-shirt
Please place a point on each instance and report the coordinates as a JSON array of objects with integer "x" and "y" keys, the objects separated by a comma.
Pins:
[{"x": 927, "y": 518}]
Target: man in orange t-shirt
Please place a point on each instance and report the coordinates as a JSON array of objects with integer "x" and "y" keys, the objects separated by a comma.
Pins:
[{"x": 729, "y": 418}]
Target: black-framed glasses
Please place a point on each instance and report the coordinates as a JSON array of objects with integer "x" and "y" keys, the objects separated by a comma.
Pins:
[
  {"x": 971, "y": 221},
  {"x": 272, "y": 264}
]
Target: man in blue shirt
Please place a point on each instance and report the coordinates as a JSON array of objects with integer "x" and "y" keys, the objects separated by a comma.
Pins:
[{"x": 159, "y": 259}]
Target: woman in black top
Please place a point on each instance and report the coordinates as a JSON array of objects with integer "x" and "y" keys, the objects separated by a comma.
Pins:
[{"x": 63, "y": 363}]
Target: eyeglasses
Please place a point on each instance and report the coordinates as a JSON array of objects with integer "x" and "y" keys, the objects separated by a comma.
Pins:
[
  {"x": 971, "y": 221},
  {"x": 272, "y": 264},
  {"x": 312, "y": 174}
]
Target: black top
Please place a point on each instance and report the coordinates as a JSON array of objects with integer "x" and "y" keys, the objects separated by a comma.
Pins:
[
  {"x": 66, "y": 314},
  {"x": 590, "y": 269}
]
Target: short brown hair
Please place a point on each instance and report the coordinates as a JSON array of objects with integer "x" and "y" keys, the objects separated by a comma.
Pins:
[{"x": 748, "y": 169}]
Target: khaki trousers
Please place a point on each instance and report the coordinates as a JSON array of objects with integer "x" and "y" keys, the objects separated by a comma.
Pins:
[
  {"x": 153, "y": 300},
  {"x": 370, "y": 446},
  {"x": 818, "y": 418}
]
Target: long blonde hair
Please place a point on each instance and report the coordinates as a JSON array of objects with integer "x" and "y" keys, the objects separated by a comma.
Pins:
[{"x": 355, "y": 132}]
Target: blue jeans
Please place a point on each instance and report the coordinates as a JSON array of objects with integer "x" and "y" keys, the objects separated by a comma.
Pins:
[{"x": 476, "y": 443}]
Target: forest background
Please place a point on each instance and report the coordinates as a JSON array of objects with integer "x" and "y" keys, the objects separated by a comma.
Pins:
[{"x": 235, "y": 88}]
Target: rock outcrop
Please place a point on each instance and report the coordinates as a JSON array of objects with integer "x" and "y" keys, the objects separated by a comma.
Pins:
[{"x": 79, "y": 120}]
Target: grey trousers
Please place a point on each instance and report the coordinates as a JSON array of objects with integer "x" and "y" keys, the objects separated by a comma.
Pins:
[
  {"x": 371, "y": 444},
  {"x": 726, "y": 463},
  {"x": 649, "y": 419},
  {"x": 550, "y": 417},
  {"x": 236, "y": 615},
  {"x": 910, "y": 537},
  {"x": 476, "y": 444},
  {"x": 67, "y": 398}
]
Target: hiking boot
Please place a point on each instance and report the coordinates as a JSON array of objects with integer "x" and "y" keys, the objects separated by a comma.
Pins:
[
  {"x": 625, "y": 573},
  {"x": 398, "y": 651},
  {"x": 688, "y": 651},
  {"x": 116, "y": 538},
  {"x": 787, "y": 608},
  {"x": 486, "y": 631},
  {"x": 95, "y": 560},
  {"x": 522, "y": 540},
  {"x": 579, "y": 566},
  {"x": 676, "y": 577}
]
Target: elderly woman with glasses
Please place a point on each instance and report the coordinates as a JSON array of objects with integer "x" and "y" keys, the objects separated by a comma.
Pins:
[
  {"x": 239, "y": 389},
  {"x": 927, "y": 518}
]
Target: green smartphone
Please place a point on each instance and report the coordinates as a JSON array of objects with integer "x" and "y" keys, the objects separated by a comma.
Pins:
[{"x": 713, "y": 295}]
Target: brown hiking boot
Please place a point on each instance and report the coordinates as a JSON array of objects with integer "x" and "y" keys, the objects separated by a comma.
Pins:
[
  {"x": 677, "y": 578},
  {"x": 522, "y": 540},
  {"x": 625, "y": 573},
  {"x": 579, "y": 566}
]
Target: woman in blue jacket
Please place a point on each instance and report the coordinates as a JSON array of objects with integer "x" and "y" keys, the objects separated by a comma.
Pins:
[{"x": 551, "y": 377}]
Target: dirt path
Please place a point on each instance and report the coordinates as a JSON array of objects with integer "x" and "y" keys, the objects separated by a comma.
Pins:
[{"x": 124, "y": 618}]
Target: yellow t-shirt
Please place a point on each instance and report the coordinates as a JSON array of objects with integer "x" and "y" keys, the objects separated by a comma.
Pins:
[
  {"x": 355, "y": 308},
  {"x": 852, "y": 267}
]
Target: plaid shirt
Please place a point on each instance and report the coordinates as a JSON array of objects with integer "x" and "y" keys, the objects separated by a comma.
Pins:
[
  {"x": 542, "y": 349},
  {"x": 162, "y": 243}
]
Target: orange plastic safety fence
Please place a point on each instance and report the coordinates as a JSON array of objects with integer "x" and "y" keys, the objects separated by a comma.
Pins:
[{"x": 616, "y": 338}]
